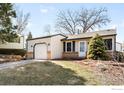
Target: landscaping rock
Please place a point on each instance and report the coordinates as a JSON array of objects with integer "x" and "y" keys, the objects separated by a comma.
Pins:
[
  {"x": 102, "y": 67},
  {"x": 9, "y": 58},
  {"x": 108, "y": 72}
]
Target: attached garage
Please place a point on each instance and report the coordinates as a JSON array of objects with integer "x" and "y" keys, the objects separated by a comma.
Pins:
[
  {"x": 47, "y": 47},
  {"x": 40, "y": 51}
]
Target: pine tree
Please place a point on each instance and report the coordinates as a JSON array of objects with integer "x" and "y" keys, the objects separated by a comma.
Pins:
[
  {"x": 29, "y": 36},
  {"x": 7, "y": 29},
  {"x": 96, "y": 48}
]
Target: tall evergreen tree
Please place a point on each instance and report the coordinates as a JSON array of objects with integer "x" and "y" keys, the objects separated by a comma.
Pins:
[
  {"x": 7, "y": 29},
  {"x": 29, "y": 36},
  {"x": 96, "y": 48}
]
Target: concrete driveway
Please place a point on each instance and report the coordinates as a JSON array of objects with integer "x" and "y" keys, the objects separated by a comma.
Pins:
[
  {"x": 17, "y": 63},
  {"x": 14, "y": 64}
]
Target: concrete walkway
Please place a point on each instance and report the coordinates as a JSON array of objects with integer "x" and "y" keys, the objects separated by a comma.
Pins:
[{"x": 17, "y": 63}]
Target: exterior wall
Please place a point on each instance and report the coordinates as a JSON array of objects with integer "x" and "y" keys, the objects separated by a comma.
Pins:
[
  {"x": 11, "y": 46},
  {"x": 70, "y": 55},
  {"x": 29, "y": 55},
  {"x": 118, "y": 47},
  {"x": 31, "y": 43},
  {"x": 123, "y": 46},
  {"x": 56, "y": 47},
  {"x": 76, "y": 46},
  {"x": 49, "y": 54},
  {"x": 66, "y": 54}
]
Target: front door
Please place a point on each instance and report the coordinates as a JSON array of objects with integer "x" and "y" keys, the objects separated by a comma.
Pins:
[{"x": 82, "y": 48}]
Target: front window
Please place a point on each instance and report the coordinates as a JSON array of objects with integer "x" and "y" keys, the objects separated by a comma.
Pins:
[
  {"x": 81, "y": 46},
  {"x": 108, "y": 44},
  {"x": 68, "y": 46}
]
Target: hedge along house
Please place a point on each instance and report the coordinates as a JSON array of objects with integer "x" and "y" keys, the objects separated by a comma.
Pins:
[{"x": 71, "y": 46}]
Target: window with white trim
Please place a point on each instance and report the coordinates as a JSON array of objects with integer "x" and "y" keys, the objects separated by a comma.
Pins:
[{"x": 68, "y": 46}]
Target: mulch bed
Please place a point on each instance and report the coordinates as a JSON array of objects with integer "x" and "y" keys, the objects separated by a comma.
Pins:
[{"x": 108, "y": 72}]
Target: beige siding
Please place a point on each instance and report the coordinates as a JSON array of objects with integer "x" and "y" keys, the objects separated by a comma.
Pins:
[
  {"x": 12, "y": 46},
  {"x": 56, "y": 47},
  {"x": 118, "y": 47},
  {"x": 31, "y": 43},
  {"x": 76, "y": 46}
]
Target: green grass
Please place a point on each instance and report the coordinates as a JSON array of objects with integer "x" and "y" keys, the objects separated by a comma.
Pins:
[{"x": 48, "y": 73}]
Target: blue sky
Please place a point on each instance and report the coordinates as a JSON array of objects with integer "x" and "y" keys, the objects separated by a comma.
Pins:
[{"x": 44, "y": 14}]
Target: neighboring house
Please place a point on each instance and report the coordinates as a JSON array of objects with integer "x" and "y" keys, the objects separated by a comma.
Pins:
[
  {"x": 13, "y": 45},
  {"x": 71, "y": 46},
  {"x": 119, "y": 47},
  {"x": 123, "y": 47}
]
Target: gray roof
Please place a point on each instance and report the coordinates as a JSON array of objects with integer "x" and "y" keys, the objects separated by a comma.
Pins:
[
  {"x": 108, "y": 32},
  {"x": 81, "y": 36},
  {"x": 49, "y": 36}
]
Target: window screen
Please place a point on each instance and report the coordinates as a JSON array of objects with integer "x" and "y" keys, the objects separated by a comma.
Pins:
[{"x": 108, "y": 44}]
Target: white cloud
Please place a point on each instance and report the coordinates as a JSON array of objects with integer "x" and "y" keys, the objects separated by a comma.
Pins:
[{"x": 44, "y": 10}]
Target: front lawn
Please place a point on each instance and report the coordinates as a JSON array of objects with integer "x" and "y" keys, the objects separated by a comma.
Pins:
[{"x": 48, "y": 73}]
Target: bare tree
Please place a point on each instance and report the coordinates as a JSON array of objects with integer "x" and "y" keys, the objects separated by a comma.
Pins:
[
  {"x": 47, "y": 29},
  {"x": 22, "y": 21},
  {"x": 73, "y": 22},
  {"x": 67, "y": 21},
  {"x": 92, "y": 18}
]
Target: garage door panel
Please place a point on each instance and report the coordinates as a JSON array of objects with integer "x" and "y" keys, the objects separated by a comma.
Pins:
[{"x": 40, "y": 51}]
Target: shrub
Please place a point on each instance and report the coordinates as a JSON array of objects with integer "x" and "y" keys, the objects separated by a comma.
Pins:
[
  {"x": 21, "y": 52},
  {"x": 119, "y": 56},
  {"x": 96, "y": 48}
]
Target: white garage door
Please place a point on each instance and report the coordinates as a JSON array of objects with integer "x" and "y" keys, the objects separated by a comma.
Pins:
[{"x": 40, "y": 51}]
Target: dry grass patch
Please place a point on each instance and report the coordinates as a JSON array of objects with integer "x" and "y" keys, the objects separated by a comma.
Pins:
[{"x": 45, "y": 73}]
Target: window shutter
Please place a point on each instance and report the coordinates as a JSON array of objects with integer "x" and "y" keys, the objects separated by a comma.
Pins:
[
  {"x": 63, "y": 46},
  {"x": 73, "y": 46}
]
